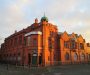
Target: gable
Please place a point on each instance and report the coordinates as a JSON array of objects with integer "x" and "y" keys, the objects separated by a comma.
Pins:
[{"x": 65, "y": 36}]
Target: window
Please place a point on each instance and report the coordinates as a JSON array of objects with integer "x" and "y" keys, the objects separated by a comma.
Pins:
[
  {"x": 67, "y": 56},
  {"x": 51, "y": 33},
  {"x": 18, "y": 58},
  {"x": 75, "y": 57},
  {"x": 66, "y": 44},
  {"x": 15, "y": 41},
  {"x": 88, "y": 44},
  {"x": 73, "y": 45},
  {"x": 35, "y": 51},
  {"x": 82, "y": 57},
  {"x": 28, "y": 43},
  {"x": 81, "y": 46},
  {"x": 25, "y": 41},
  {"x": 11, "y": 42},
  {"x": 34, "y": 41},
  {"x": 51, "y": 43},
  {"x": 20, "y": 40}
]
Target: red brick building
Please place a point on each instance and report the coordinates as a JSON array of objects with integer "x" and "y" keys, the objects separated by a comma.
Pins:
[{"x": 41, "y": 44}]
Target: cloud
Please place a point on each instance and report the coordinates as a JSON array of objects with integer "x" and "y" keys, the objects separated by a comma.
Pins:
[{"x": 69, "y": 15}]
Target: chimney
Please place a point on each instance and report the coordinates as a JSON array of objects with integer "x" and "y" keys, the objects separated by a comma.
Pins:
[{"x": 36, "y": 20}]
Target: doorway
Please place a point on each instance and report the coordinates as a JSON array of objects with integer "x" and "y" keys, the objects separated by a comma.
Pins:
[
  {"x": 29, "y": 59},
  {"x": 34, "y": 59},
  {"x": 40, "y": 59}
]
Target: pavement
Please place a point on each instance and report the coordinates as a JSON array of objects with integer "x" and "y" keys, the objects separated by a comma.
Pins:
[{"x": 80, "y": 69}]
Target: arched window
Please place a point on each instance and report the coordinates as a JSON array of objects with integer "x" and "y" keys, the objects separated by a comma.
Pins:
[
  {"x": 75, "y": 57},
  {"x": 82, "y": 57},
  {"x": 67, "y": 56}
]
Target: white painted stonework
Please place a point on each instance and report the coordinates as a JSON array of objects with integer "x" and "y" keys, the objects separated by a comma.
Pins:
[{"x": 34, "y": 32}]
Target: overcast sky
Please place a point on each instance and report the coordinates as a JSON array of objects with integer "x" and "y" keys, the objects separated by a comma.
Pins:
[{"x": 68, "y": 15}]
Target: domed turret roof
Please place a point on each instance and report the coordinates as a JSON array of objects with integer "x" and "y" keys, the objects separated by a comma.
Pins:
[{"x": 44, "y": 18}]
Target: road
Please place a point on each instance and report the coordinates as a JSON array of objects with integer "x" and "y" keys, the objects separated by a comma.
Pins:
[{"x": 83, "y": 69}]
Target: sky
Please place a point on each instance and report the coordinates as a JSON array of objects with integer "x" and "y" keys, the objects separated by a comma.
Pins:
[{"x": 68, "y": 15}]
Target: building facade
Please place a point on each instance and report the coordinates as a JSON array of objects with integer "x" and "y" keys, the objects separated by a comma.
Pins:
[{"x": 42, "y": 45}]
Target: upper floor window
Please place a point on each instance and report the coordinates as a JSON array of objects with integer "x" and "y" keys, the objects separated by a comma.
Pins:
[
  {"x": 73, "y": 45},
  {"x": 11, "y": 42},
  {"x": 15, "y": 41},
  {"x": 51, "y": 43},
  {"x": 20, "y": 40},
  {"x": 88, "y": 44},
  {"x": 81, "y": 46},
  {"x": 66, "y": 44},
  {"x": 51, "y": 33},
  {"x": 28, "y": 43},
  {"x": 34, "y": 41},
  {"x": 25, "y": 41}
]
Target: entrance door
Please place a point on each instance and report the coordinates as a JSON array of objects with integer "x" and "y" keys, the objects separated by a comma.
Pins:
[
  {"x": 40, "y": 59},
  {"x": 34, "y": 59},
  {"x": 29, "y": 59}
]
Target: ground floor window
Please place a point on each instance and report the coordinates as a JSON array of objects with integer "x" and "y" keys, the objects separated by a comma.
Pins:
[
  {"x": 75, "y": 57},
  {"x": 82, "y": 57},
  {"x": 67, "y": 56}
]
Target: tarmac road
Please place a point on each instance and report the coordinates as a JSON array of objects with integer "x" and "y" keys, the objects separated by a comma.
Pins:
[{"x": 83, "y": 69}]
